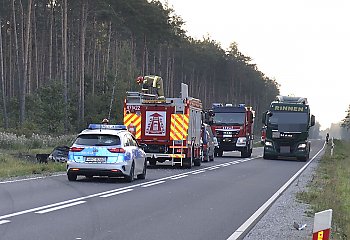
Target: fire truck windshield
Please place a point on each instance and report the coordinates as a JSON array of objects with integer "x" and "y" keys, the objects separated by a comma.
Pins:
[
  {"x": 229, "y": 118},
  {"x": 289, "y": 121}
]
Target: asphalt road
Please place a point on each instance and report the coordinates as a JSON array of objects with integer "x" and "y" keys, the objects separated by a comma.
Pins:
[{"x": 207, "y": 202}]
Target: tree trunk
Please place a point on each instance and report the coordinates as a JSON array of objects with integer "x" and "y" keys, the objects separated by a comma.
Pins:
[
  {"x": 82, "y": 59},
  {"x": 26, "y": 62},
  {"x": 3, "y": 81},
  {"x": 19, "y": 61},
  {"x": 51, "y": 39},
  {"x": 65, "y": 66}
]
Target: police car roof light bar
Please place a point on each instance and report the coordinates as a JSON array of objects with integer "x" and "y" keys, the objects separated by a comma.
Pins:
[{"x": 93, "y": 126}]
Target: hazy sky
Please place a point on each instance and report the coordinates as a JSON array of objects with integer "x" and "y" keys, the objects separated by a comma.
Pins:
[{"x": 303, "y": 44}]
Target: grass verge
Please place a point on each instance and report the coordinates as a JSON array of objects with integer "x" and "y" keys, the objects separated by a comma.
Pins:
[
  {"x": 330, "y": 188},
  {"x": 13, "y": 165}
]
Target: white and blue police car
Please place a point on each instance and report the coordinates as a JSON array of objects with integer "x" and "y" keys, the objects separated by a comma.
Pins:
[{"x": 106, "y": 150}]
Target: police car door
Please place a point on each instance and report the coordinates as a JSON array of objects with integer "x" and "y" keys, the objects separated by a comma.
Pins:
[{"x": 136, "y": 154}]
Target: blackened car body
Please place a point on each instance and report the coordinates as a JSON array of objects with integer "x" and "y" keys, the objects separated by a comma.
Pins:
[{"x": 106, "y": 150}]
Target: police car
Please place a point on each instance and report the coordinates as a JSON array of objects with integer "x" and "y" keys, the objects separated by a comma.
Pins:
[{"x": 106, "y": 150}]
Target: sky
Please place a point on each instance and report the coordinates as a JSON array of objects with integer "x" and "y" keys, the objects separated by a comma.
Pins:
[{"x": 303, "y": 44}]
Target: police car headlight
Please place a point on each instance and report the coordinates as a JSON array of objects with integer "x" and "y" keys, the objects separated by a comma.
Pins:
[
  {"x": 268, "y": 144},
  {"x": 302, "y": 145}
]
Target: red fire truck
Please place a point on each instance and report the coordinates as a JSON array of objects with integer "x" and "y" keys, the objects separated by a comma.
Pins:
[
  {"x": 233, "y": 128},
  {"x": 169, "y": 128}
]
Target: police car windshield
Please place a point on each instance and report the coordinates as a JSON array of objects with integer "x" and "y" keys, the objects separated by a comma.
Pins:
[
  {"x": 97, "y": 140},
  {"x": 229, "y": 118},
  {"x": 289, "y": 121}
]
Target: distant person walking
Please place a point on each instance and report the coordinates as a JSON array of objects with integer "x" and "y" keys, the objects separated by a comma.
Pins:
[{"x": 327, "y": 138}]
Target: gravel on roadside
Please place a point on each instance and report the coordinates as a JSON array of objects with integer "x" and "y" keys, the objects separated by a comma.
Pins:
[{"x": 278, "y": 222}]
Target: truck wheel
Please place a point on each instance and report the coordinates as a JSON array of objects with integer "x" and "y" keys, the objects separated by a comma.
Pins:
[
  {"x": 265, "y": 156},
  {"x": 197, "y": 162},
  {"x": 303, "y": 159},
  {"x": 187, "y": 163},
  {"x": 152, "y": 162},
  {"x": 211, "y": 158},
  {"x": 245, "y": 153},
  {"x": 220, "y": 153}
]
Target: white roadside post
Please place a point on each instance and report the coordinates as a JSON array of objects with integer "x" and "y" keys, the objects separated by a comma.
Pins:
[
  {"x": 332, "y": 147},
  {"x": 322, "y": 225}
]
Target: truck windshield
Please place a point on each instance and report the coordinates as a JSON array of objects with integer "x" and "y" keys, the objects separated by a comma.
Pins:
[
  {"x": 289, "y": 121},
  {"x": 227, "y": 118}
]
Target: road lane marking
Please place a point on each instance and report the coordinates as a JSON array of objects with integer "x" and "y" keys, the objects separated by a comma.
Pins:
[
  {"x": 198, "y": 172},
  {"x": 225, "y": 164},
  {"x": 213, "y": 168},
  {"x": 178, "y": 177},
  {"x": 152, "y": 184},
  {"x": 4, "y": 221},
  {"x": 60, "y": 207},
  {"x": 116, "y": 193}
]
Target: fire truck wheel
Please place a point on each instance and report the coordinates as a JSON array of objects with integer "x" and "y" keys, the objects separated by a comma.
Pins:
[
  {"x": 152, "y": 162},
  {"x": 246, "y": 153},
  {"x": 197, "y": 162},
  {"x": 143, "y": 174},
  {"x": 187, "y": 163}
]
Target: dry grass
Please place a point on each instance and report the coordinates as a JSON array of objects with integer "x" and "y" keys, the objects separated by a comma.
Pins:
[{"x": 330, "y": 188}]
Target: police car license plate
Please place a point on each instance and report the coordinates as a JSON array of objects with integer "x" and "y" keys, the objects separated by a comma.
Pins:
[{"x": 95, "y": 159}]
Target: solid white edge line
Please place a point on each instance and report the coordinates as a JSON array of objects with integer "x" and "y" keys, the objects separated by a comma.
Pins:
[
  {"x": 116, "y": 193},
  {"x": 4, "y": 221},
  {"x": 33, "y": 178},
  {"x": 250, "y": 222},
  {"x": 60, "y": 207},
  {"x": 152, "y": 184}
]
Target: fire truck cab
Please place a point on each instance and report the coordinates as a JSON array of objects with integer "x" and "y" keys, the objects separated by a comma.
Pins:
[{"x": 233, "y": 128}]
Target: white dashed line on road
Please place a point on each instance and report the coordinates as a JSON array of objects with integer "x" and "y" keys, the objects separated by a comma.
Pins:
[
  {"x": 178, "y": 177},
  {"x": 213, "y": 168},
  {"x": 60, "y": 207},
  {"x": 4, "y": 221},
  {"x": 201, "y": 171},
  {"x": 116, "y": 193},
  {"x": 152, "y": 184}
]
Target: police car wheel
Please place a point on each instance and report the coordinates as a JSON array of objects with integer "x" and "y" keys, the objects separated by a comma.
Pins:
[
  {"x": 130, "y": 178},
  {"x": 143, "y": 174},
  {"x": 72, "y": 177}
]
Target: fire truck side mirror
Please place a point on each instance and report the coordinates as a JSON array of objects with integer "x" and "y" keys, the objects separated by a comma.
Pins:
[
  {"x": 312, "y": 120},
  {"x": 251, "y": 117}
]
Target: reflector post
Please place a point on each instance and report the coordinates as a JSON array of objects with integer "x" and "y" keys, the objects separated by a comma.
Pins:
[{"x": 322, "y": 225}]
